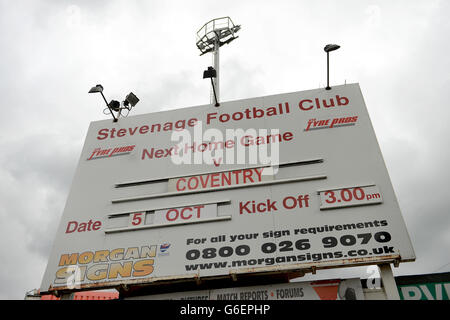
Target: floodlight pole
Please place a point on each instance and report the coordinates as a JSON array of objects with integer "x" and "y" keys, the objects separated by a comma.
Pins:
[
  {"x": 328, "y": 48},
  {"x": 114, "y": 117},
  {"x": 210, "y": 38},
  {"x": 214, "y": 94},
  {"x": 328, "y": 72},
  {"x": 216, "y": 64}
]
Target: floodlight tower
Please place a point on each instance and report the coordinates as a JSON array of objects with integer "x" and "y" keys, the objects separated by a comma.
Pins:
[{"x": 210, "y": 38}]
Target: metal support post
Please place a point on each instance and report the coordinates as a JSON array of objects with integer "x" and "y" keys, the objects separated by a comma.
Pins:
[
  {"x": 328, "y": 72},
  {"x": 217, "y": 68},
  {"x": 114, "y": 117},
  {"x": 67, "y": 296},
  {"x": 388, "y": 280}
]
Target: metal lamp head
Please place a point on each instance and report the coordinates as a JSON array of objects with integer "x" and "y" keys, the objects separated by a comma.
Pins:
[
  {"x": 131, "y": 99},
  {"x": 331, "y": 47},
  {"x": 114, "y": 105},
  {"x": 210, "y": 73},
  {"x": 97, "y": 88}
]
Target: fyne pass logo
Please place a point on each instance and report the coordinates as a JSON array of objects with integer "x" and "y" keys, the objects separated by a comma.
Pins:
[
  {"x": 98, "y": 153},
  {"x": 314, "y": 124}
]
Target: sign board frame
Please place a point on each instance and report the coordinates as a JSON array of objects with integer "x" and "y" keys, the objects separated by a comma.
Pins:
[{"x": 312, "y": 192}]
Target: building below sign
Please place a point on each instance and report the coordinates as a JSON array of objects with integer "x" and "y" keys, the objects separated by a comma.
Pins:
[
  {"x": 424, "y": 287},
  {"x": 336, "y": 289}
]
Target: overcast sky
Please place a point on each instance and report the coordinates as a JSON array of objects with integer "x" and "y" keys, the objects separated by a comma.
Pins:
[{"x": 53, "y": 51}]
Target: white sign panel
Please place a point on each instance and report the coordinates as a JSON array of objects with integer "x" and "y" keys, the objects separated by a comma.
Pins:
[
  {"x": 348, "y": 197},
  {"x": 186, "y": 214},
  {"x": 221, "y": 180},
  {"x": 277, "y": 183}
]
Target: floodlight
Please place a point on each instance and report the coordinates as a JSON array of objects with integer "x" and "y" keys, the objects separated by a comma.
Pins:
[
  {"x": 131, "y": 99},
  {"x": 328, "y": 48},
  {"x": 216, "y": 33},
  {"x": 331, "y": 47},
  {"x": 211, "y": 73},
  {"x": 210, "y": 37},
  {"x": 114, "y": 105},
  {"x": 97, "y": 88}
]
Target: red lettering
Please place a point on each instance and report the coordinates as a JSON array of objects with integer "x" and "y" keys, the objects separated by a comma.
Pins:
[
  {"x": 182, "y": 213},
  {"x": 198, "y": 209},
  {"x": 168, "y": 214},
  {"x": 71, "y": 223},
  {"x": 339, "y": 100},
  {"x": 291, "y": 205},
  {"x": 224, "y": 117},
  {"x": 307, "y": 108},
  {"x": 159, "y": 153},
  {"x": 192, "y": 122},
  {"x": 143, "y": 129},
  {"x": 236, "y": 174},
  {"x": 220, "y": 179},
  {"x": 102, "y": 134},
  {"x": 215, "y": 180},
  {"x": 259, "y": 173},
  {"x": 195, "y": 179},
  {"x": 204, "y": 180},
  {"x": 226, "y": 179},
  {"x": 229, "y": 144},
  {"x": 209, "y": 117},
  {"x": 247, "y": 175},
  {"x": 96, "y": 225},
  {"x": 121, "y": 132},
  {"x": 237, "y": 116},
  {"x": 326, "y": 105},
  {"x": 217, "y": 162},
  {"x": 261, "y": 207},
  {"x": 287, "y": 136},
  {"x": 168, "y": 152},
  {"x": 146, "y": 153},
  {"x": 82, "y": 227},
  {"x": 132, "y": 131},
  {"x": 243, "y": 206},
  {"x": 178, "y": 184},
  {"x": 156, "y": 127},
  {"x": 245, "y": 141},
  {"x": 74, "y": 226},
  {"x": 258, "y": 113}
]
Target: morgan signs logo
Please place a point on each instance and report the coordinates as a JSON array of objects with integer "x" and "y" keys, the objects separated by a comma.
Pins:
[
  {"x": 99, "y": 153},
  {"x": 105, "y": 265},
  {"x": 314, "y": 124}
]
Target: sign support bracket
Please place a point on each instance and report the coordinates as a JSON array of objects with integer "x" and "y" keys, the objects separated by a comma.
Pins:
[{"x": 388, "y": 280}]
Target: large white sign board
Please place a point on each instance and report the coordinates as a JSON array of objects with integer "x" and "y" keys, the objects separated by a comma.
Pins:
[{"x": 148, "y": 204}]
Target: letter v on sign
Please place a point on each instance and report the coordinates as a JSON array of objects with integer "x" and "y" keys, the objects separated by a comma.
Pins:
[
  {"x": 132, "y": 131},
  {"x": 217, "y": 162}
]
